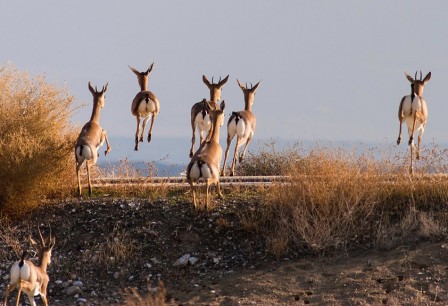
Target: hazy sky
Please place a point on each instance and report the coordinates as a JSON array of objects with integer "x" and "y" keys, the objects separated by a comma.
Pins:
[{"x": 330, "y": 70}]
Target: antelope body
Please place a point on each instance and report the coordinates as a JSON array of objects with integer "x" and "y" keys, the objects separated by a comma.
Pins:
[
  {"x": 206, "y": 161},
  {"x": 200, "y": 117},
  {"x": 92, "y": 136},
  {"x": 144, "y": 105},
  {"x": 414, "y": 112},
  {"x": 31, "y": 279},
  {"x": 242, "y": 124}
]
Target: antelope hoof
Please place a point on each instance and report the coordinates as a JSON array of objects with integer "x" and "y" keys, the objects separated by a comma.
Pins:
[
  {"x": 240, "y": 160},
  {"x": 149, "y": 137},
  {"x": 136, "y": 148},
  {"x": 417, "y": 156},
  {"x": 398, "y": 140},
  {"x": 411, "y": 140},
  {"x": 231, "y": 173},
  {"x": 141, "y": 139},
  {"x": 223, "y": 173},
  {"x": 191, "y": 154}
]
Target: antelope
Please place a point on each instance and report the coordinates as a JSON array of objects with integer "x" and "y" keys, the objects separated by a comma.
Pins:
[
  {"x": 414, "y": 112},
  {"x": 92, "y": 136},
  {"x": 200, "y": 117},
  {"x": 144, "y": 105},
  {"x": 242, "y": 124},
  {"x": 31, "y": 279},
  {"x": 205, "y": 162}
]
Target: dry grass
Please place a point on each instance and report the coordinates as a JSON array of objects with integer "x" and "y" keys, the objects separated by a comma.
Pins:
[
  {"x": 116, "y": 249},
  {"x": 337, "y": 197},
  {"x": 36, "y": 142},
  {"x": 155, "y": 297}
]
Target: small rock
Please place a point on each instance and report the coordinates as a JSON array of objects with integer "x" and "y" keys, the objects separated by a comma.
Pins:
[
  {"x": 155, "y": 260},
  {"x": 94, "y": 294},
  {"x": 81, "y": 301},
  {"x": 148, "y": 265},
  {"x": 192, "y": 260},
  {"x": 117, "y": 275},
  {"x": 73, "y": 290},
  {"x": 131, "y": 278},
  {"x": 182, "y": 261},
  {"x": 58, "y": 282},
  {"x": 78, "y": 283}
]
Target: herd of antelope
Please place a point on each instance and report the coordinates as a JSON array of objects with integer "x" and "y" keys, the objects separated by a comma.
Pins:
[{"x": 207, "y": 116}]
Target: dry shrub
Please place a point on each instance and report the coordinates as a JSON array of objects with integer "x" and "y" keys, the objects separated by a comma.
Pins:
[
  {"x": 117, "y": 248},
  {"x": 37, "y": 140},
  {"x": 336, "y": 197},
  {"x": 155, "y": 297},
  {"x": 267, "y": 160}
]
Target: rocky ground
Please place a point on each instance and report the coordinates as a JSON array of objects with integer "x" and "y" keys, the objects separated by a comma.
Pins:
[{"x": 107, "y": 244}]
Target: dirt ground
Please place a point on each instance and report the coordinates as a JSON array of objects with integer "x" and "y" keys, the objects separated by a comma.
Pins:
[{"x": 105, "y": 245}]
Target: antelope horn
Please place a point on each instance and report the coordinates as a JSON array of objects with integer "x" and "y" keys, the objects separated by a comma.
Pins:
[
  {"x": 40, "y": 234},
  {"x": 212, "y": 79},
  {"x": 415, "y": 76},
  {"x": 219, "y": 79},
  {"x": 421, "y": 76},
  {"x": 251, "y": 86}
]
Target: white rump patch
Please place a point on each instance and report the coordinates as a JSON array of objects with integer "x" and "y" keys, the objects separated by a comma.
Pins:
[
  {"x": 146, "y": 108},
  {"x": 83, "y": 153},
  {"x": 196, "y": 173},
  {"x": 203, "y": 123},
  {"x": 241, "y": 128}
]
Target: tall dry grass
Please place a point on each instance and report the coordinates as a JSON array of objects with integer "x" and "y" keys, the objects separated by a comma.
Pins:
[
  {"x": 36, "y": 143},
  {"x": 336, "y": 198}
]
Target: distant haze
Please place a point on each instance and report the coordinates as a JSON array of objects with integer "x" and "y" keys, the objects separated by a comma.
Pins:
[{"x": 329, "y": 70}]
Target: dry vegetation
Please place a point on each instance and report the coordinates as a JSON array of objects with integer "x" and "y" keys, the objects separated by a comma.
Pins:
[
  {"x": 36, "y": 140},
  {"x": 335, "y": 198}
]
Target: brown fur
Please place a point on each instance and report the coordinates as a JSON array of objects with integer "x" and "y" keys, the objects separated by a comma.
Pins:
[
  {"x": 215, "y": 95},
  {"x": 249, "y": 118},
  {"x": 143, "y": 78},
  {"x": 92, "y": 135}
]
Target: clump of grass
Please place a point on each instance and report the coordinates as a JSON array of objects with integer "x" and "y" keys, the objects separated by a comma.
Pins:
[
  {"x": 116, "y": 249},
  {"x": 37, "y": 140},
  {"x": 267, "y": 160},
  {"x": 155, "y": 297},
  {"x": 336, "y": 197}
]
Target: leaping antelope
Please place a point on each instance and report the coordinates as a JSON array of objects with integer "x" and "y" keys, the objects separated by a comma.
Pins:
[
  {"x": 414, "y": 112},
  {"x": 206, "y": 161},
  {"x": 144, "y": 105},
  {"x": 242, "y": 124},
  {"x": 200, "y": 117},
  {"x": 31, "y": 279},
  {"x": 92, "y": 136}
]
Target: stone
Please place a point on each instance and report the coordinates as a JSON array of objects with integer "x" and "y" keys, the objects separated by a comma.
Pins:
[
  {"x": 73, "y": 290},
  {"x": 182, "y": 261}
]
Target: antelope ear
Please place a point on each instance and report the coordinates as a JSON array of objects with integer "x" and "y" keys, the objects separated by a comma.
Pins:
[
  {"x": 223, "y": 81},
  {"x": 223, "y": 105},
  {"x": 134, "y": 70},
  {"x": 240, "y": 85},
  {"x": 205, "y": 80},
  {"x": 149, "y": 69},
  {"x": 427, "y": 78},
  {"x": 255, "y": 86},
  {"x": 409, "y": 77},
  {"x": 91, "y": 89}
]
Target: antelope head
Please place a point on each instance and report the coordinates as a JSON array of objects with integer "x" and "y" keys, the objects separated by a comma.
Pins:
[
  {"x": 249, "y": 92},
  {"x": 418, "y": 84},
  {"x": 98, "y": 96},
  {"x": 44, "y": 248},
  {"x": 143, "y": 76},
  {"x": 215, "y": 88}
]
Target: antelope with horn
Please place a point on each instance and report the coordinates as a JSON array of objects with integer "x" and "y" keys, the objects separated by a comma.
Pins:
[
  {"x": 414, "y": 112},
  {"x": 29, "y": 278},
  {"x": 242, "y": 124},
  {"x": 92, "y": 136},
  {"x": 206, "y": 161},
  {"x": 200, "y": 117},
  {"x": 144, "y": 105}
]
